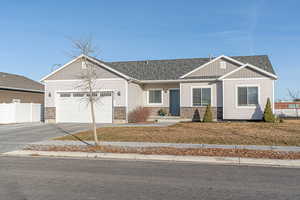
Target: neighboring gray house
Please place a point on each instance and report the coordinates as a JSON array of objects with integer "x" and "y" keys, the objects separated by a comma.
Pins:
[
  {"x": 236, "y": 87},
  {"x": 16, "y": 88}
]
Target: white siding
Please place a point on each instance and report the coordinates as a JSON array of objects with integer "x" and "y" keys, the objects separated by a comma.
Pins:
[
  {"x": 135, "y": 96},
  {"x": 231, "y": 110}
]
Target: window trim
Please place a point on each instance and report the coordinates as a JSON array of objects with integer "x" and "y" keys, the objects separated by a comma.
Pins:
[
  {"x": 246, "y": 85},
  {"x": 201, "y": 87},
  {"x": 162, "y": 97}
]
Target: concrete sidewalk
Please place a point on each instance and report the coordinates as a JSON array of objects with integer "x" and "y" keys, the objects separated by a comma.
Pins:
[{"x": 175, "y": 145}]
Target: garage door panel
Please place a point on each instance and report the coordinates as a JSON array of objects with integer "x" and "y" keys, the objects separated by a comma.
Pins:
[{"x": 78, "y": 110}]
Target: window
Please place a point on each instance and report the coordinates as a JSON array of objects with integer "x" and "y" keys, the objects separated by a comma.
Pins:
[
  {"x": 105, "y": 93},
  {"x": 293, "y": 106},
  {"x": 201, "y": 96},
  {"x": 65, "y": 94},
  {"x": 155, "y": 96},
  {"x": 247, "y": 96},
  {"x": 223, "y": 65},
  {"x": 94, "y": 94},
  {"x": 83, "y": 65},
  {"x": 16, "y": 101},
  {"x": 78, "y": 94}
]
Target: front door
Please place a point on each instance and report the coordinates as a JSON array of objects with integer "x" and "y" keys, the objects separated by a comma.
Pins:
[{"x": 174, "y": 102}]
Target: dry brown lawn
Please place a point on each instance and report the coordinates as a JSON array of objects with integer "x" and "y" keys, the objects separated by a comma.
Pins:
[{"x": 249, "y": 133}]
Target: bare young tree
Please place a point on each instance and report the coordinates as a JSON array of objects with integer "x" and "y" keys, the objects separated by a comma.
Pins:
[
  {"x": 88, "y": 77},
  {"x": 294, "y": 95}
]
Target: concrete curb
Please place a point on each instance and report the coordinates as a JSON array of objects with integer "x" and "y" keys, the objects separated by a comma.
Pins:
[
  {"x": 174, "y": 145},
  {"x": 198, "y": 159}
]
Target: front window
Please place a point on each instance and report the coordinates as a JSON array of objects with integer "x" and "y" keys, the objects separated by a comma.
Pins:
[
  {"x": 155, "y": 96},
  {"x": 201, "y": 96},
  {"x": 247, "y": 96}
]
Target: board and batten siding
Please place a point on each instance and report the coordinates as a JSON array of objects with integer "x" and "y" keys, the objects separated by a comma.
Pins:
[
  {"x": 186, "y": 93},
  {"x": 231, "y": 110},
  {"x": 118, "y": 85},
  {"x": 214, "y": 69},
  {"x": 74, "y": 71}
]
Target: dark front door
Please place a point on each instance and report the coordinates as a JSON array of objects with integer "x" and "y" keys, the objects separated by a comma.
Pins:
[{"x": 175, "y": 102}]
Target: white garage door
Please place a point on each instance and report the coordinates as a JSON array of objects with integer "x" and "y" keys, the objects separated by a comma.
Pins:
[{"x": 74, "y": 107}]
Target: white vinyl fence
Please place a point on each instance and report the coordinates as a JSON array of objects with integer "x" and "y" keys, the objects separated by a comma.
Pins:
[
  {"x": 287, "y": 112},
  {"x": 20, "y": 112}
]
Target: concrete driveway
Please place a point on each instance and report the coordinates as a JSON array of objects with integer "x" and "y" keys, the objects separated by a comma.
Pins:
[{"x": 15, "y": 136}]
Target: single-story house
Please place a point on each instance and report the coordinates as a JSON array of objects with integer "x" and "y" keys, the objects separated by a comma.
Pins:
[
  {"x": 236, "y": 87},
  {"x": 19, "y": 89}
]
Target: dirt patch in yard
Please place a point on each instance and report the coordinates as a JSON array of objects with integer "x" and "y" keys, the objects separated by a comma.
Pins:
[
  {"x": 172, "y": 151},
  {"x": 247, "y": 133}
]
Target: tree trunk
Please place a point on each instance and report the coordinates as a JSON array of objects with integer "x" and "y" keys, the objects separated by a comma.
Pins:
[{"x": 93, "y": 114}]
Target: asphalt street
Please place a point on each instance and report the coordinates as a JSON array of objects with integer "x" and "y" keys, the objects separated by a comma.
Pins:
[{"x": 30, "y": 178}]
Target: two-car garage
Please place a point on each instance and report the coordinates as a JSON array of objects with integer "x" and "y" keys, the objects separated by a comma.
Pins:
[{"x": 74, "y": 107}]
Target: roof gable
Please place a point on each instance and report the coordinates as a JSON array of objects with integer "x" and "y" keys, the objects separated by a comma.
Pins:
[
  {"x": 214, "y": 69},
  {"x": 72, "y": 70},
  {"x": 248, "y": 71}
]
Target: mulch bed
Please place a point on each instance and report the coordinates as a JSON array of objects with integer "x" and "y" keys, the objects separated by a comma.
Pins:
[{"x": 172, "y": 151}]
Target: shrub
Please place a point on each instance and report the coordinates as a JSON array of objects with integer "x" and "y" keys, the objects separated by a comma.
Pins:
[
  {"x": 139, "y": 114},
  {"x": 278, "y": 119},
  {"x": 196, "y": 116},
  {"x": 162, "y": 112},
  {"x": 208, "y": 115},
  {"x": 268, "y": 114}
]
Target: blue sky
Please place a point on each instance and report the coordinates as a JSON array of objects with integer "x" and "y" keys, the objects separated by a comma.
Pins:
[{"x": 33, "y": 34}]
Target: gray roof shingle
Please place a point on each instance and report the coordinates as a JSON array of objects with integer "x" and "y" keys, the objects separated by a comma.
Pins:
[
  {"x": 175, "y": 68},
  {"x": 19, "y": 82}
]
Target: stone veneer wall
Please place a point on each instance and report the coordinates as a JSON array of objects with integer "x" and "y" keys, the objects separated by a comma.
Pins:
[
  {"x": 189, "y": 112},
  {"x": 119, "y": 113},
  {"x": 50, "y": 114},
  {"x": 154, "y": 110}
]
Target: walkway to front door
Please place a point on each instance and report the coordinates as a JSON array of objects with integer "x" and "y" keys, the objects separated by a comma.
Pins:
[{"x": 175, "y": 102}]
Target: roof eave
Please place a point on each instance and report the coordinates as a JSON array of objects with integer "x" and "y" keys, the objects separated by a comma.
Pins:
[
  {"x": 177, "y": 80},
  {"x": 21, "y": 89}
]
